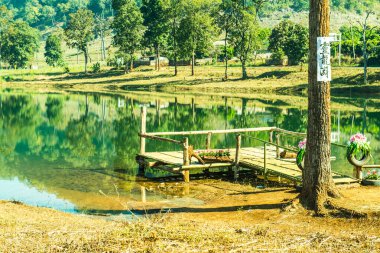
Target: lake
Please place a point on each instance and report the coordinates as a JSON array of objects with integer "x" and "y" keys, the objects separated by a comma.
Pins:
[{"x": 76, "y": 152}]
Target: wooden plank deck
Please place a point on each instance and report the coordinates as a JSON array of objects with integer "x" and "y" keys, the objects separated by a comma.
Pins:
[{"x": 250, "y": 158}]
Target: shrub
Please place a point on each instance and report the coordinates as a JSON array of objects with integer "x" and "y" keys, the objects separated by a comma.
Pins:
[{"x": 96, "y": 68}]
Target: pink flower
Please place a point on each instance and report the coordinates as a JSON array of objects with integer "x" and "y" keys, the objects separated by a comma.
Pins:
[{"x": 302, "y": 144}]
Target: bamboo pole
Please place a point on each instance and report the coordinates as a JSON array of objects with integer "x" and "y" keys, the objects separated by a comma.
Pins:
[
  {"x": 237, "y": 156},
  {"x": 208, "y": 141},
  {"x": 205, "y": 132},
  {"x": 278, "y": 145},
  {"x": 152, "y": 137},
  {"x": 142, "y": 130},
  {"x": 265, "y": 163},
  {"x": 186, "y": 160}
]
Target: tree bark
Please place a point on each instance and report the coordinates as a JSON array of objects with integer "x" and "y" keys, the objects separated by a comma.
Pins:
[{"x": 317, "y": 180}]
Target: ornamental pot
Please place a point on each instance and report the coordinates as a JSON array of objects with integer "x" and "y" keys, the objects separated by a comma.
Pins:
[
  {"x": 358, "y": 162},
  {"x": 370, "y": 182}
]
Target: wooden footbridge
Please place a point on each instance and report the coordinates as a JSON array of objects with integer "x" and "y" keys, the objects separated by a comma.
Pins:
[{"x": 264, "y": 159}]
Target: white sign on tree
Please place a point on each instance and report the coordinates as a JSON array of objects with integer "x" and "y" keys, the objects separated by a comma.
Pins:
[{"x": 323, "y": 58}]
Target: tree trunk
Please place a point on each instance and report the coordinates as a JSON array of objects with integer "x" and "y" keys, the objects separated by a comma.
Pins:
[
  {"x": 365, "y": 56},
  {"x": 225, "y": 57},
  {"x": 192, "y": 63},
  {"x": 317, "y": 181},
  {"x": 85, "y": 60},
  {"x": 158, "y": 58},
  {"x": 103, "y": 47},
  {"x": 126, "y": 70},
  {"x": 131, "y": 68},
  {"x": 244, "y": 69}
]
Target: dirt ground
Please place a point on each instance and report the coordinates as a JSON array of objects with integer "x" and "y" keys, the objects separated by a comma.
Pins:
[{"x": 232, "y": 218}]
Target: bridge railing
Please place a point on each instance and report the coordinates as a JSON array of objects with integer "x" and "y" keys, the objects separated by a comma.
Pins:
[{"x": 274, "y": 132}]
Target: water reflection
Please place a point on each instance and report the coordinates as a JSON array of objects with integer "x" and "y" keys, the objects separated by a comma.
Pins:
[{"x": 70, "y": 147}]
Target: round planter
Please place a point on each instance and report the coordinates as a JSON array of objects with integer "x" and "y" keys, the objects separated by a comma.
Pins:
[
  {"x": 358, "y": 163},
  {"x": 369, "y": 182}
]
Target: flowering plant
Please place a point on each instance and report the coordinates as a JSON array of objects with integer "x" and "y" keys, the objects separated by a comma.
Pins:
[
  {"x": 219, "y": 153},
  {"x": 372, "y": 175},
  {"x": 357, "y": 145},
  {"x": 301, "y": 152}
]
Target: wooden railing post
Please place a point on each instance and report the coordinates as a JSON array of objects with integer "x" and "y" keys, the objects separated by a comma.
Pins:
[
  {"x": 237, "y": 156},
  {"x": 277, "y": 145},
  {"x": 208, "y": 141},
  {"x": 186, "y": 160},
  {"x": 271, "y": 136},
  {"x": 265, "y": 163},
  {"x": 142, "y": 130},
  {"x": 358, "y": 173}
]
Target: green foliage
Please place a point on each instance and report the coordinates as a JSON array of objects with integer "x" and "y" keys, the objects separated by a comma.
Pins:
[
  {"x": 291, "y": 39},
  {"x": 372, "y": 175},
  {"x": 19, "y": 43},
  {"x": 300, "y": 156},
  {"x": 196, "y": 29},
  {"x": 156, "y": 21},
  {"x": 220, "y": 153},
  {"x": 355, "y": 149},
  {"x": 53, "y": 51},
  {"x": 96, "y": 68},
  {"x": 80, "y": 31},
  {"x": 245, "y": 36},
  {"x": 128, "y": 27}
]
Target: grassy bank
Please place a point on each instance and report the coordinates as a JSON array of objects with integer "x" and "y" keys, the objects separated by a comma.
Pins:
[
  {"x": 234, "y": 218},
  {"x": 286, "y": 80}
]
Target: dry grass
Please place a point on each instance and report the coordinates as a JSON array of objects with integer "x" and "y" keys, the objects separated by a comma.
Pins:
[{"x": 256, "y": 229}]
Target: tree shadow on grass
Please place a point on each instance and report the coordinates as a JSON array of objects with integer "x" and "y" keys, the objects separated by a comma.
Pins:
[
  {"x": 357, "y": 79},
  {"x": 276, "y": 73}
]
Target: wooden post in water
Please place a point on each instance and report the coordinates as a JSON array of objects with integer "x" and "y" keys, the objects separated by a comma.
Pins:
[
  {"x": 237, "y": 156},
  {"x": 208, "y": 141},
  {"x": 143, "y": 130},
  {"x": 186, "y": 160}
]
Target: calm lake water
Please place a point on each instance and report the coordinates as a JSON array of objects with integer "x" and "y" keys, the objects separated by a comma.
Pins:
[{"x": 76, "y": 152}]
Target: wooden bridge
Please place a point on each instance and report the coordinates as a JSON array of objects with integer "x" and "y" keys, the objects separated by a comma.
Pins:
[{"x": 264, "y": 159}]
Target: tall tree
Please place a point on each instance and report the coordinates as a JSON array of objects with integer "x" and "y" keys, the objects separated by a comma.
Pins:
[
  {"x": 128, "y": 28},
  {"x": 196, "y": 30},
  {"x": 365, "y": 30},
  {"x": 80, "y": 31},
  {"x": 290, "y": 39},
  {"x": 224, "y": 19},
  {"x": 53, "y": 51},
  {"x": 19, "y": 43},
  {"x": 156, "y": 20},
  {"x": 6, "y": 16},
  {"x": 245, "y": 33},
  {"x": 175, "y": 16},
  {"x": 317, "y": 182}
]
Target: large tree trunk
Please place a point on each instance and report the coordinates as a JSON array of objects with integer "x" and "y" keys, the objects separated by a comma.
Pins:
[{"x": 317, "y": 180}]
